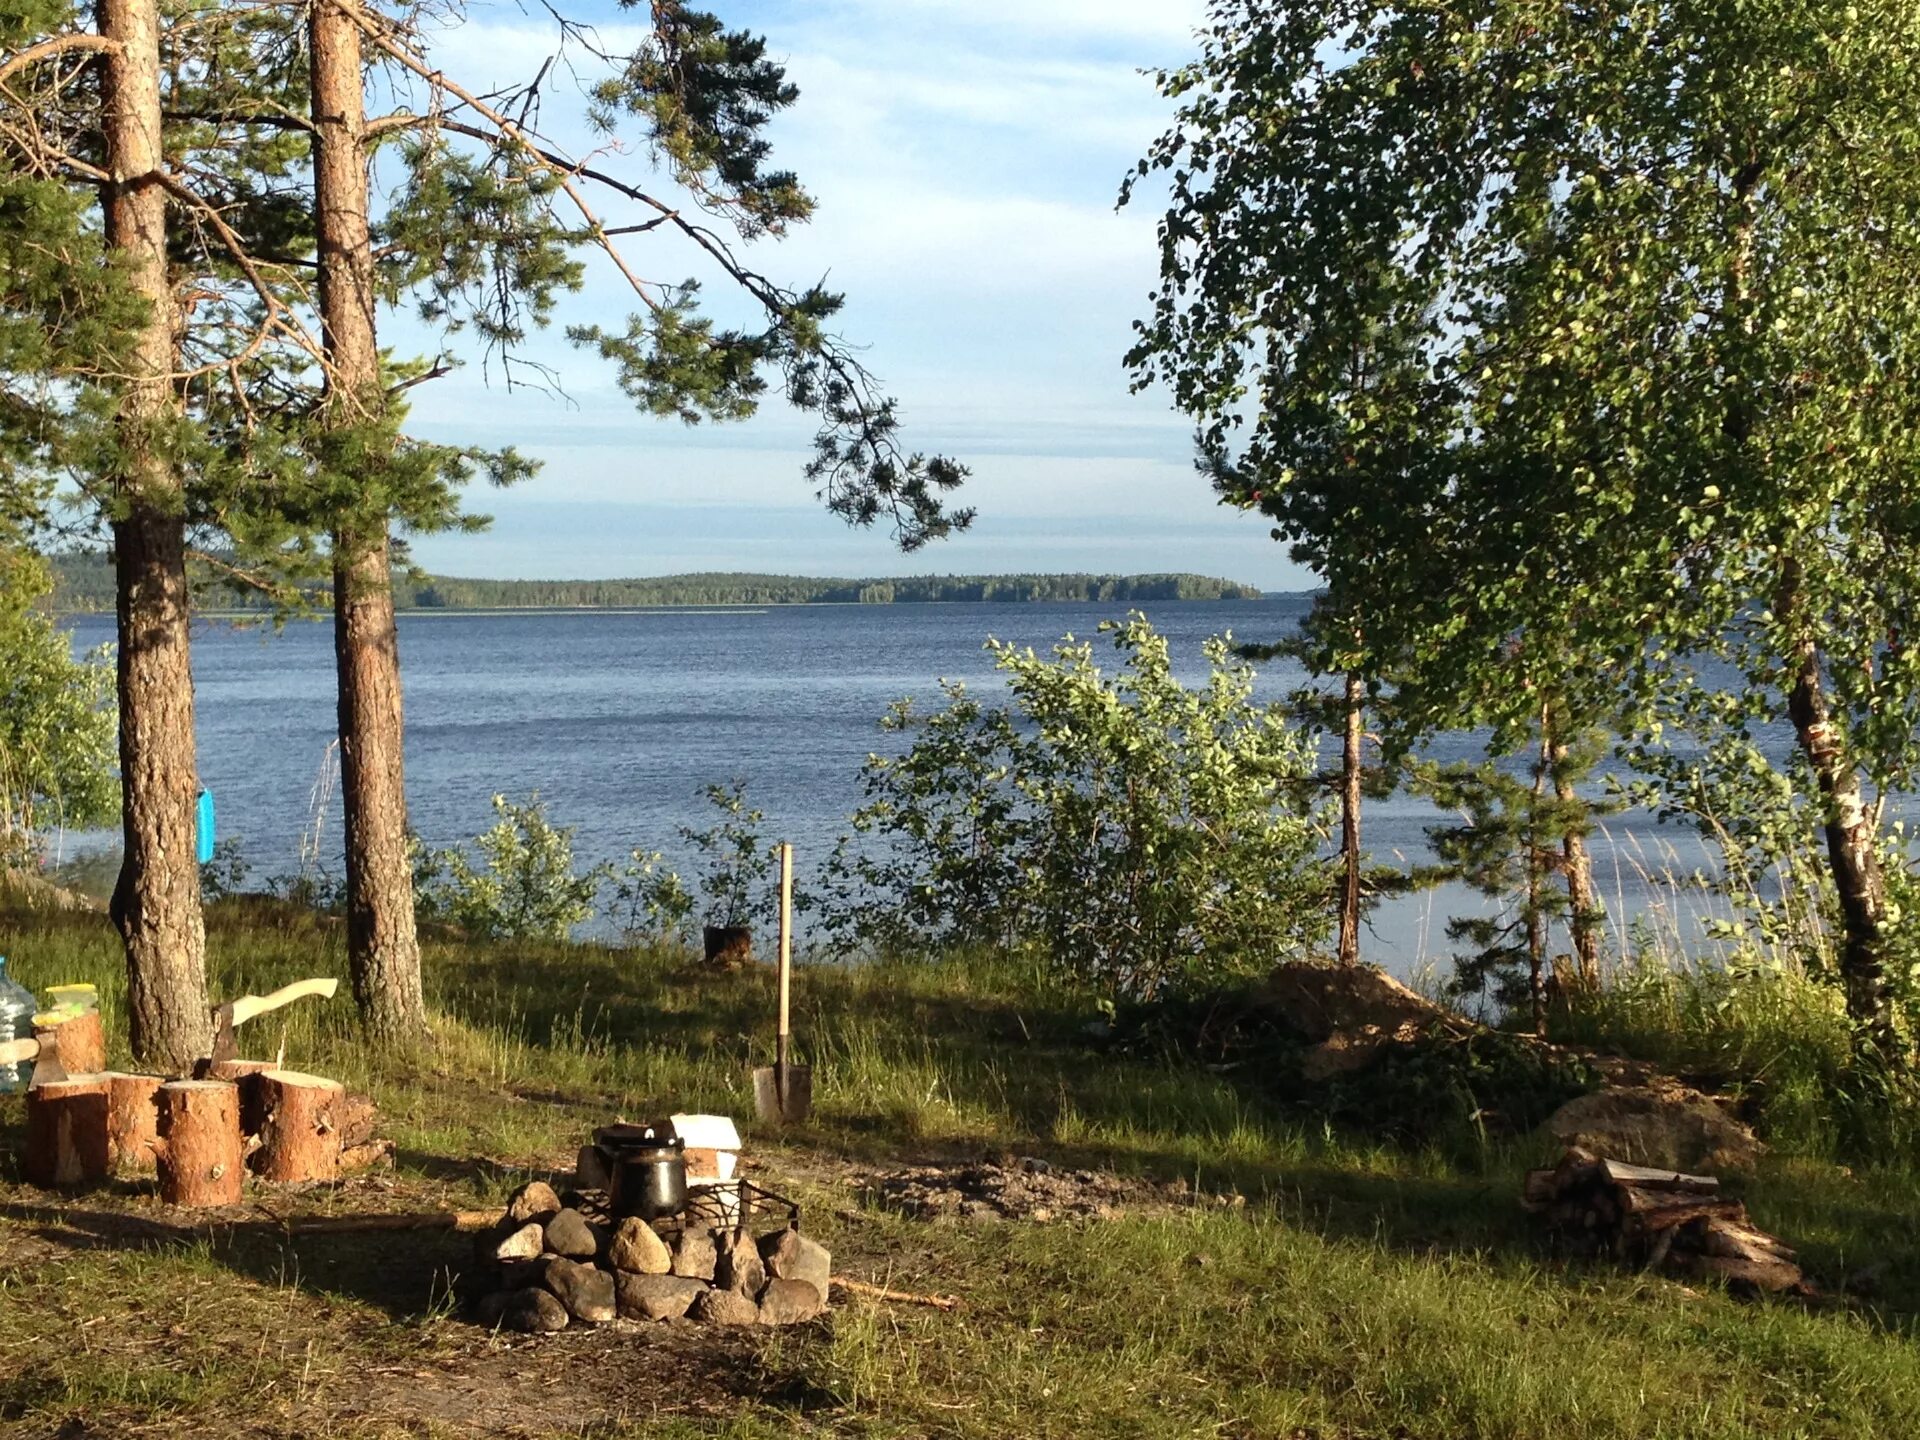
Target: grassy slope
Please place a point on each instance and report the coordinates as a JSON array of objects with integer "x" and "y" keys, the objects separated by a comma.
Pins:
[{"x": 1362, "y": 1290}]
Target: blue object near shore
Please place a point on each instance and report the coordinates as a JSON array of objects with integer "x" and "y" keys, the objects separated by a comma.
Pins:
[{"x": 203, "y": 827}]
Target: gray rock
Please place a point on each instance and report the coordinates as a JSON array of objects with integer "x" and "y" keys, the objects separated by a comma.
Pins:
[
  {"x": 533, "y": 1201},
  {"x": 694, "y": 1255},
  {"x": 740, "y": 1266},
  {"x": 638, "y": 1250},
  {"x": 518, "y": 1274},
  {"x": 792, "y": 1256},
  {"x": 534, "y": 1311},
  {"x": 726, "y": 1307},
  {"x": 521, "y": 1244},
  {"x": 589, "y": 1169},
  {"x": 587, "y": 1292},
  {"x": 789, "y": 1302},
  {"x": 491, "y": 1309},
  {"x": 656, "y": 1297},
  {"x": 569, "y": 1234}
]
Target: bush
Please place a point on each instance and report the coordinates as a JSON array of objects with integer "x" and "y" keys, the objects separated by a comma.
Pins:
[
  {"x": 526, "y": 888},
  {"x": 1146, "y": 837}
]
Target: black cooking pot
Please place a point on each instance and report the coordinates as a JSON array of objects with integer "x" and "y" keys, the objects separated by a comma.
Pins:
[{"x": 649, "y": 1177}]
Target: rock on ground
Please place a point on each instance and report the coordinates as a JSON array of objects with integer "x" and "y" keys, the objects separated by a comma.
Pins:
[
  {"x": 789, "y": 1255},
  {"x": 694, "y": 1256},
  {"x": 522, "y": 1244},
  {"x": 534, "y": 1311},
  {"x": 533, "y": 1201},
  {"x": 726, "y": 1307},
  {"x": 569, "y": 1234},
  {"x": 637, "y": 1249},
  {"x": 740, "y": 1266},
  {"x": 656, "y": 1297},
  {"x": 789, "y": 1302},
  {"x": 1669, "y": 1128},
  {"x": 586, "y": 1291}
]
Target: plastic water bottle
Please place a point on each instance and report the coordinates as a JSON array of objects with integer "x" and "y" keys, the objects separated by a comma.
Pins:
[{"x": 17, "y": 1007}]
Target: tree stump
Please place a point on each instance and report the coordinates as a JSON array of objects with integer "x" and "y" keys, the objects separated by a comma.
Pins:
[
  {"x": 133, "y": 1120},
  {"x": 300, "y": 1137},
  {"x": 81, "y": 1041},
  {"x": 199, "y": 1148},
  {"x": 67, "y": 1132},
  {"x": 253, "y": 1095}
]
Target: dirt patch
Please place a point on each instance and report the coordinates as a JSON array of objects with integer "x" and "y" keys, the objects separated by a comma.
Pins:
[{"x": 1031, "y": 1189}]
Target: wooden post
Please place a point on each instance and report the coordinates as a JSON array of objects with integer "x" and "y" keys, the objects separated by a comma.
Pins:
[
  {"x": 133, "y": 1120},
  {"x": 67, "y": 1132},
  {"x": 253, "y": 1100},
  {"x": 82, "y": 1043},
  {"x": 786, "y": 972},
  {"x": 199, "y": 1148},
  {"x": 300, "y": 1137}
]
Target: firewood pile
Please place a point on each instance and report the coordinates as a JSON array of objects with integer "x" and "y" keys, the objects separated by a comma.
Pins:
[
  {"x": 553, "y": 1260},
  {"x": 199, "y": 1138},
  {"x": 1662, "y": 1220}
]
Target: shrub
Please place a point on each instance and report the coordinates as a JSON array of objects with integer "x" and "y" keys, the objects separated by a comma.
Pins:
[
  {"x": 1146, "y": 836},
  {"x": 526, "y": 887}
]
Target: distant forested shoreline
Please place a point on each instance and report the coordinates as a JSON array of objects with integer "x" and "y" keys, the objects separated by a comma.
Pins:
[{"x": 84, "y": 584}]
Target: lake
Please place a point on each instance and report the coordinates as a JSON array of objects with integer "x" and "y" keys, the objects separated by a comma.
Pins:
[{"x": 619, "y": 718}]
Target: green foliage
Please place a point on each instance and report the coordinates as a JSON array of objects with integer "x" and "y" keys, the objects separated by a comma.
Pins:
[
  {"x": 740, "y": 867},
  {"x": 1145, "y": 836},
  {"x": 525, "y": 886},
  {"x": 648, "y": 901},
  {"x": 57, "y": 726},
  {"x": 1508, "y": 844}
]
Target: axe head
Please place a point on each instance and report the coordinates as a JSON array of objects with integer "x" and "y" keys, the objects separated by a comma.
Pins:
[
  {"x": 47, "y": 1069},
  {"x": 223, "y": 1042}
]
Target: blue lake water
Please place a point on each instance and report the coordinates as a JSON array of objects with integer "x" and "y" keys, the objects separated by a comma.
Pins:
[{"x": 618, "y": 719}]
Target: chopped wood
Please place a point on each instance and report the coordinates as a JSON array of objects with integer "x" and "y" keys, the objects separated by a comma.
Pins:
[
  {"x": 1662, "y": 1220},
  {"x": 199, "y": 1148},
  {"x": 300, "y": 1134},
  {"x": 67, "y": 1132},
  {"x": 133, "y": 1120},
  {"x": 898, "y": 1297},
  {"x": 81, "y": 1042}
]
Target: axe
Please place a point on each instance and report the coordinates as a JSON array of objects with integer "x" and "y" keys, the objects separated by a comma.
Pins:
[
  {"x": 238, "y": 1012},
  {"x": 44, "y": 1053}
]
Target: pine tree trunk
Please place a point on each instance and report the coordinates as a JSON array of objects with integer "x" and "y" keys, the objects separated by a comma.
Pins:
[
  {"x": 383, "y": 948},
  {"x": 156, "y": 902},
  {"x": 1350, "y": 777}
]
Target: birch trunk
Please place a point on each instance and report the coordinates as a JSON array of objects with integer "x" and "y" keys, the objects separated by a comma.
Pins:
[{"x": 1351, "y": 774}]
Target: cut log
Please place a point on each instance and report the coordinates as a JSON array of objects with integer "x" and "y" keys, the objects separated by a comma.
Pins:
[
  {"x": 300, "y": 1136},
  {"x": 133, "y": 1120},
  {"x": 82, "y": 1043},
  {"x": 67, "y": 1132},
  {"x": 245, "y": 1074},
  {"x": 200, "y": 1145},
  {"x": 1643, "y": 1178}
]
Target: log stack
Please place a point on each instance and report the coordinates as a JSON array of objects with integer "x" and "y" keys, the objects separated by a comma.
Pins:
[{"x": 1658, "y": 1219}]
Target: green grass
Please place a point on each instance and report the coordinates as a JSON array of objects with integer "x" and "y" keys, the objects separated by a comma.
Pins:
[{"x": 1365, "y": 1288}]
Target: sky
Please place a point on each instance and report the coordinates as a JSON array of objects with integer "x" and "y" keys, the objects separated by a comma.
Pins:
[{"x": 965, "y": 157}]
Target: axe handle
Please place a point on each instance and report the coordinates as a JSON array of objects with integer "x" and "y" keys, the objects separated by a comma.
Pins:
[
  {"x": 248, "y": 1006},
  {"x": 16, "y": 1051}
]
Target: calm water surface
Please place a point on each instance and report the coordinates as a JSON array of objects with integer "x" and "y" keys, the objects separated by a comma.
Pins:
[{"x": 619, "y": 718}]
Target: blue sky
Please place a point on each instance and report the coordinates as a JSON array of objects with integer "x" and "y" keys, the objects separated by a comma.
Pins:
[{"x": 965, "y": 156}]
